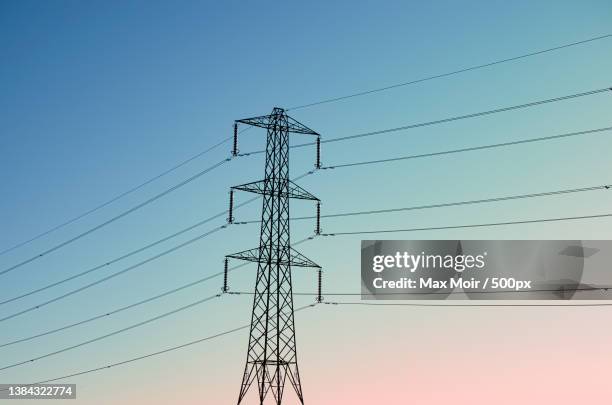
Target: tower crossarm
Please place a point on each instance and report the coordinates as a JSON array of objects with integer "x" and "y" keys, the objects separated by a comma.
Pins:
[
  {"x": 294, "y": 191},
  {"x": 253, "y": 255},
  {"x": 270, "y": 122}
]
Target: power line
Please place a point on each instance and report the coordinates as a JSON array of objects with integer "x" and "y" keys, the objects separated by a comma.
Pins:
[
  {"x": 117, "y": 259},
  {"x": 436, "y": 228},
  {"x": 135, "y": 304},
  {"x": 157, "y": 353},
  {"x": 230, "y": 331},
  {"x": 548, "y": 193},
  {"x": 337, "y": 294},
  {"x": 296, "y": 146},
  {"x": 467, "y": 116},
  {"x": 404, "y": 304},
  {"x": 455, "y": 72},
  {"x": 118, "y": 310},
  {"x": 446, "y": 120},
  {"x": 125, "y": 193},
  {"x": 345, "y": 165},
  {"x": 301, "y": 241},
  {"x": 114, "y": 333},
  {"x": 139, "y": 250},
  {"x": 119, "y": 331},
  {"x": 470, "y": 149},
  {"x": 453, "y": 204},
  {"x": 115, "y": 218},
  {"x": 468, "y": 202},
  {"x": 225, "y": 140},
  {"x": 113, "y": 275}
]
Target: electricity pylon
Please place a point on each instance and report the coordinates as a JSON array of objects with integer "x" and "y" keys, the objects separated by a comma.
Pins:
[{"x": 272, "y": 353}]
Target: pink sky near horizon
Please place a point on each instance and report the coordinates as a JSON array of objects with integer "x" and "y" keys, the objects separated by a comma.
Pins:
[{"x": 410, "y": 356}]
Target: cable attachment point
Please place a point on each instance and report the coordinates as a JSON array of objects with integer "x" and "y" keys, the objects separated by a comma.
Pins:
[
  {"x": 230, "y": 217},
  {"x": 318, "y": 228},
  {"x": 318, "y": 162},
  {"x": 235, "y": 145},
  {"x": 320, "y": 283},
  {"x": 225, "y": 288}
]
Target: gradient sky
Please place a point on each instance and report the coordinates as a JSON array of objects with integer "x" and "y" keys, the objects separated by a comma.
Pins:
[{"x": 97, "y": 97}]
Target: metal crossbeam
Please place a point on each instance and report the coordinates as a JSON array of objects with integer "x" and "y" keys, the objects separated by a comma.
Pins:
[
  {"x": 293, "y": 191},
  {"x": 256, "y": 255},
  {"x": 271, "y": 122}
]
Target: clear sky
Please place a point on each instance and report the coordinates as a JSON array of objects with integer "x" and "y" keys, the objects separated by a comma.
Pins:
[{"x": 97, "y": 97}]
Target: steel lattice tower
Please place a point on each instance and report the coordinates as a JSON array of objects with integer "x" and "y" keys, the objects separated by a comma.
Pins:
[{"x": 272, "y": 354}]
